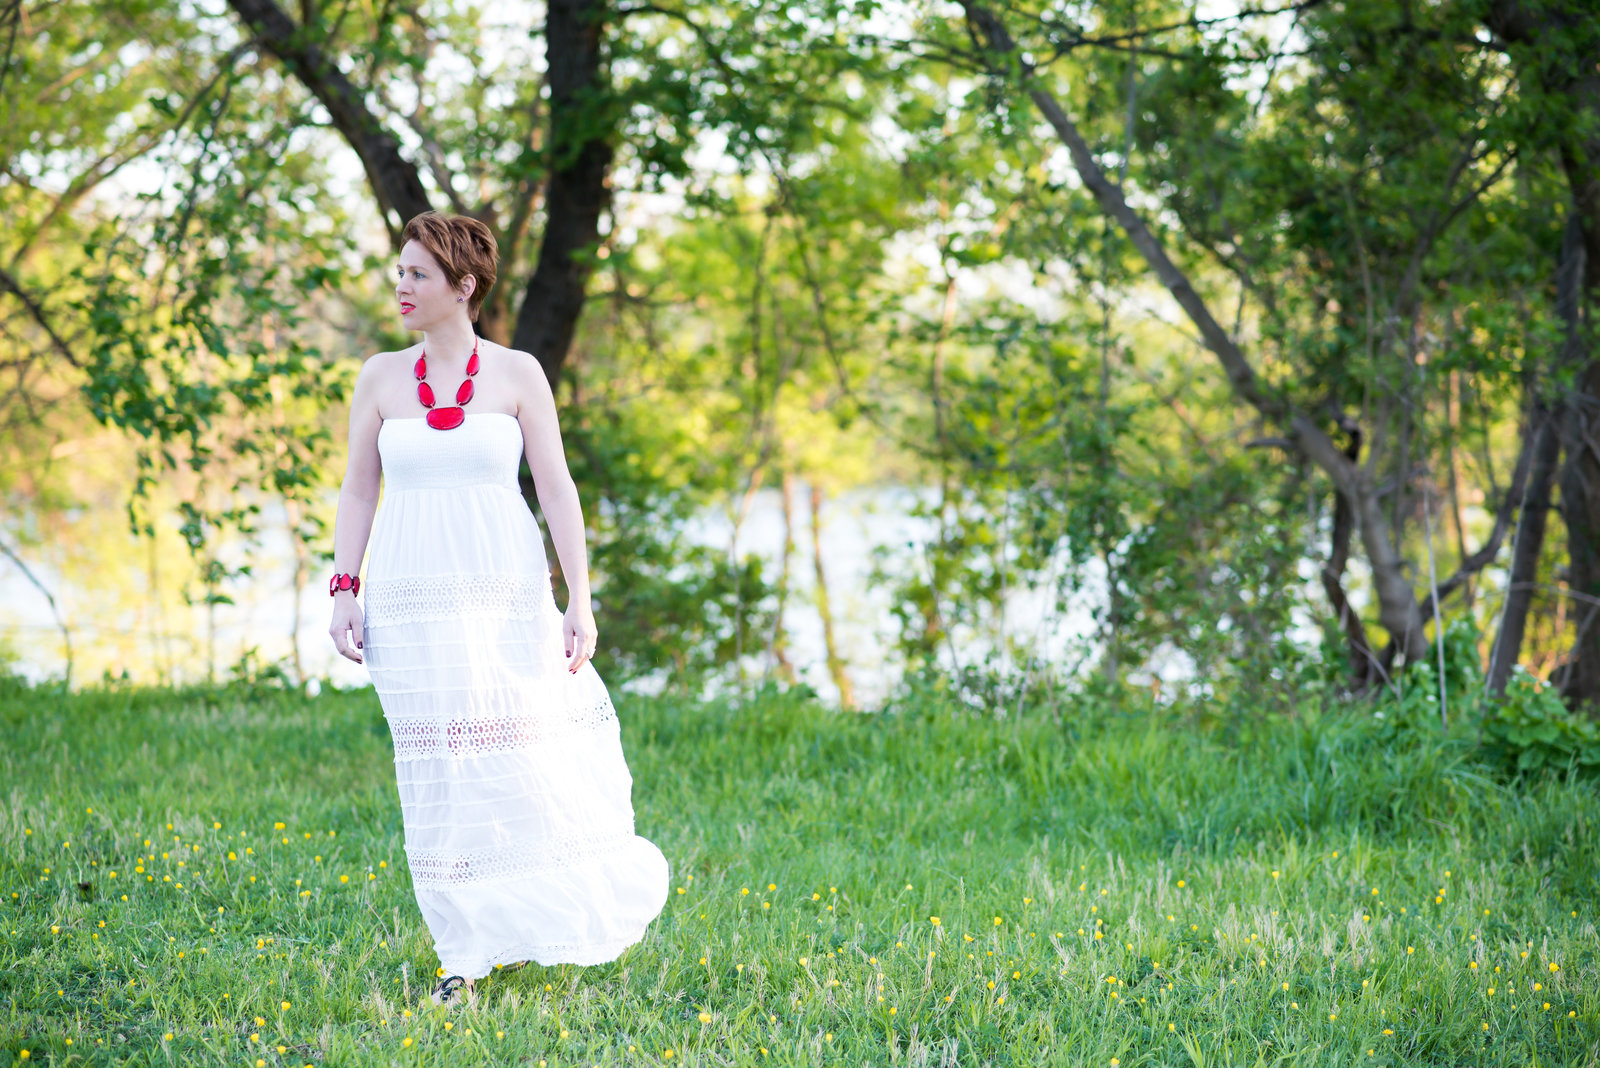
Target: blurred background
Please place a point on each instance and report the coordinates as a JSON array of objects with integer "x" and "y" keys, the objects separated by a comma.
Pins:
[{"x": 999, "y": 348}]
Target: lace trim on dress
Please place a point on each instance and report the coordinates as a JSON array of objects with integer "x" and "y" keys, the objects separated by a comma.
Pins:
[
  {"x": 425, "y": 737},
  {"x": 391, "y": 602},
  {"x": 445, "y": 868}
]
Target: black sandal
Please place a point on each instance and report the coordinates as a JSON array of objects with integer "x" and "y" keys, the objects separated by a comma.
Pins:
[{"x": 448, "y": 988}]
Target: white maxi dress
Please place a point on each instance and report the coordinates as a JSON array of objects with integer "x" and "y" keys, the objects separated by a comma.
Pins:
[{"x": 514, "y": 793}]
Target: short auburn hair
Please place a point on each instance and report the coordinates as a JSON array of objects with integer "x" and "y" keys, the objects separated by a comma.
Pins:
[{"x": 463, "y": 246}]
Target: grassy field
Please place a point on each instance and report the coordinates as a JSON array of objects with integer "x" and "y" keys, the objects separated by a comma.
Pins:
[{"x": 219, "y": 879}]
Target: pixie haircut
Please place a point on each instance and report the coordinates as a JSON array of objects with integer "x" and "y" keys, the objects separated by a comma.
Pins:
[{"x": 463, "y": 246}]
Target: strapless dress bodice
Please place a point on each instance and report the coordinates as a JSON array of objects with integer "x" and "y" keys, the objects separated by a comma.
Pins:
[{"x": 486, "y": 449}]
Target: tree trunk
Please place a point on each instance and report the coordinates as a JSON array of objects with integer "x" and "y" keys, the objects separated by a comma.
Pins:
[
  {"x": 1580, "y": 509},
  {"x": 1398, "y": 609},
  {"x": 582, "y": 123},
  {"x": 1365, "y": 668},
  {"x": 779, "y": 645},
  {"x": 836, "y": 665},
  {"x": 1555, "y": 45},
  {"x": 1546, "y": 422}
]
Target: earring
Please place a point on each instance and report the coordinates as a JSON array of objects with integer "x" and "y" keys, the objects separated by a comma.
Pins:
[{"x": 460, "y": 299}]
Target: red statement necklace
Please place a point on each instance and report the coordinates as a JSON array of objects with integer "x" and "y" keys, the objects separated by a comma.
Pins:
[{"x": 446, "y": 418}]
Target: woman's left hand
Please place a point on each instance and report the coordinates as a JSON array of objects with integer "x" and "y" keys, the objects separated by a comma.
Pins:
[{"x": 579, "y": 634}]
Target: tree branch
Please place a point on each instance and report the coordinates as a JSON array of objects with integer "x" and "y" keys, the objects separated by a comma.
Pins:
[
  {"x": 7, "y": 282},
  {"x": 1399, "y": 611},
  {"x": 395, "y": 181}
]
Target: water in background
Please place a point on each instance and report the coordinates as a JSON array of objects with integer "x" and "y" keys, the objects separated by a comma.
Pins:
[{"x": 854, "y": 523}]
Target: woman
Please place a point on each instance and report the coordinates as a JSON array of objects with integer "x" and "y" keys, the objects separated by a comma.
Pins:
[{"x": 513, "y": 789}]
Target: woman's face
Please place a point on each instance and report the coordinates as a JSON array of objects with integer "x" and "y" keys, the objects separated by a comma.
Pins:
[{"x": 426, "y": 298}]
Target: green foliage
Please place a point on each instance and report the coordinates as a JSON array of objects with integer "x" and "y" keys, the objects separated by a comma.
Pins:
[
  {"x": 1531, "y": 729},
  {"x": 251, "y": 674},
  {"x": 843, "y": 249},
  {"x": 668, "y": 608}
]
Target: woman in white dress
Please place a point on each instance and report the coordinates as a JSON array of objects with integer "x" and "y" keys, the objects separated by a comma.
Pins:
[{"x": 514, "y": 793}]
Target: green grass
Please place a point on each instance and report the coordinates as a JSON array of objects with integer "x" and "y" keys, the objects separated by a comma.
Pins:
[{"x": 1285, "y": 898}]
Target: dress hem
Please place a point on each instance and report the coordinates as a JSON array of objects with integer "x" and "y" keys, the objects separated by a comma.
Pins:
[{"x": 546, "y": 956}]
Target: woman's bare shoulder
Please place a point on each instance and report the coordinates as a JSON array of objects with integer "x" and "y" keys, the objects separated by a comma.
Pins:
[
  {"x": 379, "y": 377},
  {"x": 379, "y": 362},
  {"x": 530, "y": 387}
]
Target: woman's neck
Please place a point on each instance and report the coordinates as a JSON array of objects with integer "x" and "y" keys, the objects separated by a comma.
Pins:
[{"x": 449, "y": 345}]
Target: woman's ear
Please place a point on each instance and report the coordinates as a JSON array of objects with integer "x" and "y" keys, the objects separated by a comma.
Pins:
[{"x": 469, "y": 285}]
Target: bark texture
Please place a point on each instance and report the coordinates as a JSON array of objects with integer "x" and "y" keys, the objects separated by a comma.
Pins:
[
  {"x": 1546, "y": 425},
  {"x": 578, "y": 192},
  {"x": 1555, "y": 44}
]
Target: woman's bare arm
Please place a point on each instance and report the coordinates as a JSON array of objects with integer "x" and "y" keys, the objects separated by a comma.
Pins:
[
  {"x": 558, "y": 494},
  {"x": 358, "y": 502}
]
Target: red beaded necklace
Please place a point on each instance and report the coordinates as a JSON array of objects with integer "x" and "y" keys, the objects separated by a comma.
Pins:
[{"x": 446, "y": 418}]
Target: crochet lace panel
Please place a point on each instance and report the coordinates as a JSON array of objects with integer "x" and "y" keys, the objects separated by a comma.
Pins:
[
  {"x": 390, "y": 602},
  {"x": 441, "y": 869},
  {"x": 427, "y": 737}
]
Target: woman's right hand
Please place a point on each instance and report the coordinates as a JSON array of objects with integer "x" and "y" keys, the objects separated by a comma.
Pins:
[{"x": 346, "y": 628}]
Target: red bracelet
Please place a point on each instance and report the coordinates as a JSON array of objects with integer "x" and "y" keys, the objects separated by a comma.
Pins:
[{"x": 344, "y": 582}]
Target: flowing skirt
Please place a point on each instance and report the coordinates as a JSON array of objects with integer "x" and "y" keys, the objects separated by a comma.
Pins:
[{"x": 514, "y": 792}]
